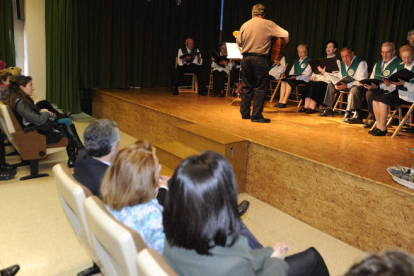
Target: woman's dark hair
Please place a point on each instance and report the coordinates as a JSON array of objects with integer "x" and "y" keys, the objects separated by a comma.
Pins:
[
  {"x": 333, "y": 42},
  {"x": 201, "y": 208},
  {"x": 16, "y": 92},
  {"x": 389, "y": 263}
]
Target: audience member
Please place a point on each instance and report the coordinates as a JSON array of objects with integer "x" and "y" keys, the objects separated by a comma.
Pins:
[
  {"x": 2, "y": 65},
  {"x": 190, "y": 61},
  {"x": 203, "y": 229},
  {"x": 221, "y": 70},
  {"x": 5, "y": 77},
  {"x": 402, "y": 93},
  {"x": 26, "y": 112},
  {"x": 129, "y": 190},
  {"x": 315, "y": 89},
  {"x": 300, "y": 73},
  {"x": 388, "y": 263},
  {"x": 355, "y": 67}
]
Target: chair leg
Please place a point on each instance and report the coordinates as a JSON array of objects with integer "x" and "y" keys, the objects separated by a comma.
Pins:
[
  {"x": 274, "y": 92},
  {"x": 409, "y": 112},
  {"x": 90, "y": 271},
  {"x": 34, "y": 171}
]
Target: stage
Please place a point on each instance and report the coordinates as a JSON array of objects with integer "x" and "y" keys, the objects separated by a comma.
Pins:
[{"x": 328, "y": 174}]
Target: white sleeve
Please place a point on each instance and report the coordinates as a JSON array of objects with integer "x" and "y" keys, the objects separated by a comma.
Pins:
[
  {"x": 180, "y": 61},
  {"x": 195, "y": 62},
  {"x": 373, "y": 72},
  {"x": 409, "y": 86}
]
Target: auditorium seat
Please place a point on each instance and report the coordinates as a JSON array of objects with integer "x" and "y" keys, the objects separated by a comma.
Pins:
[
  {"x": 72, "y": 195},
  {"x": 115, "y": 244},
  {"x": 149, "y": 262}
]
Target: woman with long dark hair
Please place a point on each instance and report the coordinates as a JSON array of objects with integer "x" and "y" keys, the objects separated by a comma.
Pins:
[
  {"x": 26, "y": 112},
  {"x": 203, "y": 229}
]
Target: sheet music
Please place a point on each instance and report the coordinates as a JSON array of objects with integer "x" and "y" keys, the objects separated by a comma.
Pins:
[{"x": 233, "y": 51}]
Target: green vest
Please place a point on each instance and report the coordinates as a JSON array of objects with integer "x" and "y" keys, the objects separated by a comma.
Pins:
[
  {"x": 352, "y": 69},
  {"x": 400, "y": 67},
  {"x": 299, "y": 68},
  {"x": 185, "y": 51},
  {"x": 387, "y": 70}
]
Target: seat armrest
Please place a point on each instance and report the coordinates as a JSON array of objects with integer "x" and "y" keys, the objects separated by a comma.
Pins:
[{"x": 33, "y": 128}]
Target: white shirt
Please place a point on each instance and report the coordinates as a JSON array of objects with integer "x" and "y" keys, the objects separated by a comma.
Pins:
[
  {"x": 180, "y": 61},
  {"x": 219, "y": 68},
  {"x": 382, "y": 85},
  {"x": 407, "y": 95},
  {"x": 278, "y": 70}
]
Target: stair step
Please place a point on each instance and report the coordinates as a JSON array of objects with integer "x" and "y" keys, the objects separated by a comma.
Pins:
[
  {"x": 203, "y": 138},
  {"x": 171, "y": 154}
]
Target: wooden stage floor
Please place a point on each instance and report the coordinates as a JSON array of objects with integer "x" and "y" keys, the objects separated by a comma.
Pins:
[{"x": 324, "y": 140}]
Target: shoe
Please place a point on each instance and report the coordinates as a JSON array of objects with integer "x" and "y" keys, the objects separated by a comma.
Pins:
[
  {"x": 243, "y": 206},
  {"x": 72, "y": 135},
  {"x": 245, "y": 118},
  {"x": 10, "y": 271},
  {"x": 175, "y": 91},
  {"x": 262, "y": 120},
  {"x": 213, "y": 93},
  {"x": 282, "y": 105},
  {"x": 7, "y": 175},
  {"x": 380, "y": 132},
  {"x": 222, "y": 94},
  {"x": 7, "y": 167},
  {"x": 372, "y": 131},
  {"x": 302, "y": 109},
  {"x": 369, "y": 124},
  {"x": 355, "y": 120},
  {"x": 71, "y": 151},
  {"x": 311, "y": 111},
  {"x": 202, "y": 93},
  {"x": 327, "y": 113},
  {"x": 347, "y": 117}
]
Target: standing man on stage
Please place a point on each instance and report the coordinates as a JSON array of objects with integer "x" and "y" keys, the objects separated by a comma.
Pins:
[{"x": 254, "y": 38}]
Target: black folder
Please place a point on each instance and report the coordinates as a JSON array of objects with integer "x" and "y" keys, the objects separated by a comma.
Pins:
[{"x": 329, "y": 63}]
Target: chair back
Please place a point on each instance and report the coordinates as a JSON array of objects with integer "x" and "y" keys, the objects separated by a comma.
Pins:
[
  {"x": 8, "y": 123},
  {"x": 72, "y": 195},
  {"x": 115, "y": 244},
  {"x": 149, "y": 262}
]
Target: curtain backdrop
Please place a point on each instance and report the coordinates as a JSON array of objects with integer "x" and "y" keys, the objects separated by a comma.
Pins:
[
  {"x": 361, "y": 24},
  {"x": 133, "y": 43},
  {"x": 62, "y": 86},
  {"x": 7, "y": 52}
]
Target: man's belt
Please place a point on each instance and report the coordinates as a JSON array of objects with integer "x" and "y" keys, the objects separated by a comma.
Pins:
[{"x": 254, "y": 55}]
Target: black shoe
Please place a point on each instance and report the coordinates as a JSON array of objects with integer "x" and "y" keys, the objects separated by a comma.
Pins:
[
  {"x": 282, "y": 105},
  {"x": 7, "y": 167},
  {"x": 175, "y": 91},
  {"x": 311, "y": 111},
  {"x": 222, "y": 94},
  {"x": 202, "y": 93},
  {"x": 245, "y": 118},
  {"x": 72, "y": 135},
  {"x": 262, "y": 120},
  {"x": 10, "y": 271},
  {"x": 302, "y": 110},
  {"x": 369, "y": 124},
  {"x": 7, "y": 175},
  {"x": 372, "y": 131},
  {"x": 243, "y": 206},
  {"x": 354, "y": 121},
  {"x": 327, "y": 113},
  {"x": 379, "y": 132}
]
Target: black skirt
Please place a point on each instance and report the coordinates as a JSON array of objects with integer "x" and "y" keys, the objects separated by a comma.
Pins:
[
  {"x": 391, "y": 99},
  {"x": 315, "y": 90}
]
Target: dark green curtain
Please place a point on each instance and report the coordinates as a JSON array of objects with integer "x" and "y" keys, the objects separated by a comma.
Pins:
[
  {"x": 362, "y": 24},
  {"x": 62, "y": 54},
  {"x": 7, "y": 51},
  {"x": 132, "y": 43}
]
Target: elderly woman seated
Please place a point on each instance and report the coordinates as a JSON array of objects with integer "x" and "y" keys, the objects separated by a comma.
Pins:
[
  {"x": 300, "y": 73},
  {"x": 402, "y": 93}
]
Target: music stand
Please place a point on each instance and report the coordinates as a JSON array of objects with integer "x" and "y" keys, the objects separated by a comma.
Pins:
[{"x": 233, "y": 53}]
